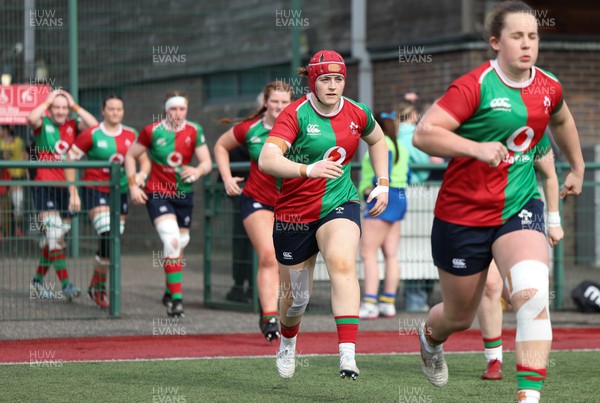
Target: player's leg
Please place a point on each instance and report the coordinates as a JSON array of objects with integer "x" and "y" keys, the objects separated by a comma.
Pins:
[
  {"x": 100, "y": 218},
  {"x": 338, "y": 243},
  {"x": 295, "y": 289},
  {"x": 490, "y": 322},
  {"x": 16, "y": 195},
  {"x": 373, "y": 237},
  {"x": 526, "y": 274},
  {"x": 259, "y": 226},
  {"x": 387, "y": 301}
]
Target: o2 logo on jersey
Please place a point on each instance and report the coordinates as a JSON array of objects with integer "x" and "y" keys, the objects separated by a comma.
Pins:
[
  {"x": 521, "y": 139},
  {"x": 174, "y": 159},
  {"x": 61, "y": 147},
  {"x": 117, "y": 158},
  {"x": 337, "y": 153}
]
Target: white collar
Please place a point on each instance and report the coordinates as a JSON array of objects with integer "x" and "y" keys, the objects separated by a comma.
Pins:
[
  {"x": 309, "y": 96},
  {"x": 105, "y": 131},
  {"x": 508, "y": 81}
]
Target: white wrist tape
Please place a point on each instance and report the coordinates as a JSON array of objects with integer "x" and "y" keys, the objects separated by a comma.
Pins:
[
  {"x": 309, "y": 168},
  {"x": 378, "y": 190},
  {"x": 553, "y": 219}
]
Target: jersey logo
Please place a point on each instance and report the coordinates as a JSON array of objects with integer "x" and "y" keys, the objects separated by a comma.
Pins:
[
  {"x": 174, "y": 159},
  {"x": 501, "y": 104},
  {"x": 547, "y": 104},
  {"x": 459, "y": 263},
  {"x": 102, "y": 144},
  {"x": 117, "y": 158},
  {"x": 255, "y": 139},
  {"x": 354, "y": 128},
  {"x": 313, "y": 130},
  {"x": 69, "y": 130},
  {"x": 188, "y": 141},
  {"x": 161, "y": 141},
  {"x": 127, "y": 143},
  {"x": 339, "y": 210},
  {"x": 521, "y": 139},
  {"x": 525, "y": 217},
  {"x": 287, "y": 255},
  {"x": 49, "y": 129},
  {"x": 61, "y": 147},
  {"x": 337, "y": 153}
]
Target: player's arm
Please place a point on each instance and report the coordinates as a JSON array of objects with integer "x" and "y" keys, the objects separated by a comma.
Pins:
[
  {"x": 435, "y": 136},
  {"x": 134, "y": 152},
  {"x": 273, "y": 162},
  {"x": 34, "y": 120},
  {"x": 226, "y": 143},
  {"x": 378, "y": 153},
  {"x": 145, "y": 167},
  {"x": 547, "y": 171},
  {"x": 565, "y": 134}
]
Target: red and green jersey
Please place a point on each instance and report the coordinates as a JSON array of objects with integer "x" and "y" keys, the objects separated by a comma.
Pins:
[
  {"x": 311, "y": 137},
  {"x": 168, "y": 152},
  {"x": 100, "y": 145},
  {"x": 260, "y": 186},
  {"x": 52, "y": 142},
  {"x": 490, "y": 107}
]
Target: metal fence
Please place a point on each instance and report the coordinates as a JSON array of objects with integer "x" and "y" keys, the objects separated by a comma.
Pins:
[
  {"x": 21, "y": 251},
  {"x": 222, "y": 259}
]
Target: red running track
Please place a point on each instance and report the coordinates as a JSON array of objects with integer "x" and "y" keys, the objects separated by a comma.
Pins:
[{"x": 236, "y": 345}]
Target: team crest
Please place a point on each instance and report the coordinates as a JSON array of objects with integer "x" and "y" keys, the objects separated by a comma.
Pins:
[
  {"x": 547, "y": 104},
  {"x": 354, "y": 128}
]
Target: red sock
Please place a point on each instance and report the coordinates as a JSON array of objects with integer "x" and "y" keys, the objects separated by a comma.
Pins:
[
  {"x": 289, "y": 331},
  {"x": 347, "y": 328}
]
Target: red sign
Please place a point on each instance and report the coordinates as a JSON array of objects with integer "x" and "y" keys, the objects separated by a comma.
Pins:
[{"x": 17, "y": 100}]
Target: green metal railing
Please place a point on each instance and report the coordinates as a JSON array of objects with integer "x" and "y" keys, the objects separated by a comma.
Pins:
[{"x": 21, "y": 251}]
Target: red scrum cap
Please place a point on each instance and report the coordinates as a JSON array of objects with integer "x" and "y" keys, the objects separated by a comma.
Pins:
[{"x": 325, "y": 62}]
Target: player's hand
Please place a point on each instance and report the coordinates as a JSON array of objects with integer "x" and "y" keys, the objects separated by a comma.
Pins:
[
  {"x": 189, "y": 174},
  {"x": 140, "y": 178},
  {"x": 492, "y": 153},
  {"x": 74, "y": 202},
  {"x": 381, "y": 194},
  {"x": 70, "y": 99},
  {"x": 50, "y": 98},
  {"x": 327, "y": 169},
  {"x": 555, "y": 234},
  {"x": 572, "y": 186},
  {"x": 137, "y": 195},
  {"x": 231, "y": 186}
]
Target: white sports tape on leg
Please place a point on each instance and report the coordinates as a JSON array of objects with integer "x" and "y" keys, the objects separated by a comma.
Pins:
[
  {"x": 53, "y": 226},
  {"x": 299, "y": 286},
  {"x": 168, "y": 231},
  {"x": 102, "y": 222},
  {"x": 531, "y": 274},
  {"x": 184, "y": 239},
  {"x": 121, "y": 226},
  {"x": 16, "y": 195}
]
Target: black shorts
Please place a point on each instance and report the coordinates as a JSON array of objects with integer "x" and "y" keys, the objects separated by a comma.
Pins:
[
  {"x": 50, "y": 198},
  {"x": 248, "y": 206},
  {"x": 464, "y": 250},
  {"x": 180, "y": 205},
  {"x": 93, "y": 198},
  {"x": 296, "y": 242}
]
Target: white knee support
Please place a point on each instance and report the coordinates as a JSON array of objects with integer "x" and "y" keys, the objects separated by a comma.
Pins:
[
  {"x": 299, "y": 288},
  {"x": 102, "y": 222},
  {"x": 184, "y": 239},
  {"x": 66, "y": 227},
  {"x": 531, "y": 274},
  {"x": 121, "y": 227},
  {"x": 16, "y": 196},
  {"x": 168, "y": 231},
  {"x": 53, "y": 225}
]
